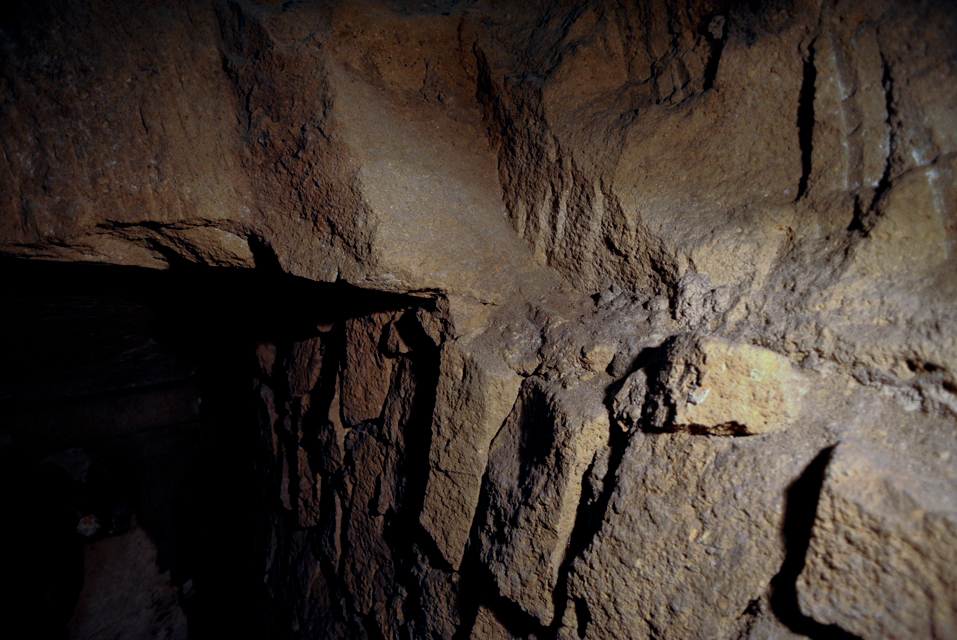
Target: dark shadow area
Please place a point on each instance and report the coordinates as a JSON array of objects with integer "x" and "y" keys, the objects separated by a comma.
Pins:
[
  {"x": 716, "y": 34},
  {"x": 417, "y": 434},
  {"x": 805, "y": 121},
  {"x": 26, "y": 21},
  {"x": 477, "y": 584},
  {"x": 407, "y": 540},
  {"x": 800, "y": 509},
  {"x": 42, "y": 558},
  {"x": 866, "y": 217},
  {"x": 588, "y": 520},
  {"x": 592, "y": 508},
  {"x": 145, "y": 377}
]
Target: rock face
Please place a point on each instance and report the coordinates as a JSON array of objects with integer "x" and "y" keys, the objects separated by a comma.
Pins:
[
  {"x": 475, "y": 394},
  {"x": 578, "y": 246},
  {"x": 667, "y": 562},
  {"x": 712, "y": 386},
  {"x": 335, "y": 169},
  {"x": 534, "y": 487},
  {"x": 881, "y": 558}
]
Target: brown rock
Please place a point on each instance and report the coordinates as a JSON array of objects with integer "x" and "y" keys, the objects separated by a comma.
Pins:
[
  {"x": 488, "y": 627},
  {"x": 439, "y": 614},
  {"x": 120, "y": 170},
  {"x": 366, "y": 371},
  {"x": 882, "y": 562},
  {"x": 710, "y": 385},
  {"x": 691, "y": 535},
  {"x": 368, "y": 572},
  {"x": 305, "y": 366},
  {"x": 775, "y": 174},
  {"x": 534, "y": 484},
  {"x": 452, "y": 317},
  {"x": 308, "y": 490},
  {"x": 629, "y": 402},
  {"x": 476, "y": 392}
]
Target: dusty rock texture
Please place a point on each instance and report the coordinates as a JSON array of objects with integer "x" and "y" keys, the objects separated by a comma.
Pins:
[
  {"x": 881, "y": 558},
  {"x": 708, "y": 385},
  {"x": 663, "y": 554},
  {"x": 669, "y": 350},
  {"x": 534, "y": 486}
]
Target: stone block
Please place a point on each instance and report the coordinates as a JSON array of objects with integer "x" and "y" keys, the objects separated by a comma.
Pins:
[
  {"x": 882, "y": 560},
  {"x": 714, "y": 386}
]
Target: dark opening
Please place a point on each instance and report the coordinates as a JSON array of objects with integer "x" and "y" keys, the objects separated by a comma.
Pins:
[
  {"x": 805, "y": 121},
  {"x": 130, "y": 445}
]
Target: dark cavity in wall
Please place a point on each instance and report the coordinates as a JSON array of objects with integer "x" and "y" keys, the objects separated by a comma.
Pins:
[
  {"x": 805, "y": 121},
  {"x": 716, "y": 35},
  {"x": 127, "y": 411}
]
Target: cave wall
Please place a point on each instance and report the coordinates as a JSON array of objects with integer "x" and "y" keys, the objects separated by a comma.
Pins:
[{"x": 674, "y": 353}]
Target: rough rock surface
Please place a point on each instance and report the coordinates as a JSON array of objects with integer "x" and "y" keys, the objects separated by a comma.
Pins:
[
  {"x": 487, "y": 627},
  {"x": 709, "y": 385},
  {"x": 667, "y": 562},
  {"x": 617, "y": 232},
  {"x": 881, "y": 561},
  {"x": 333, "y": 167},
  {"x": 474, "y": 396},
  {"x": 534, "y": 486}
]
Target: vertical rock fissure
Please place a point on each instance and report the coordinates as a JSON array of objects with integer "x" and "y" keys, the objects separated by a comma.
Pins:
[
  {"x": 588, "y": 520},
  {"x": 805, "y": 120},
  {"x": 716, "y": 36},
  {"x": 479, "y": 588},
  {"x": 866, "y": 217},
  {"x": 887, "y": 82}
]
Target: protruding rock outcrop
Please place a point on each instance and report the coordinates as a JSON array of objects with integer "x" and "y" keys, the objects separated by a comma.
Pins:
[
  {"x": 534, "y": 487},
  {"x": 713, "y": 386},
  {"x": 882, "y": 561},
  {"x": 667, "y": 562}
]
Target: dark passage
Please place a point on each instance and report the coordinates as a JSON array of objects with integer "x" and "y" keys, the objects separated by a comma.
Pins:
[{"x": 130, "y": 447}]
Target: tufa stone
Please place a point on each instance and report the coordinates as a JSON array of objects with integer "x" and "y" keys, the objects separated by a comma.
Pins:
[
  {"x": 713, "y": 386},
  {"x": 882, "y": 561}
]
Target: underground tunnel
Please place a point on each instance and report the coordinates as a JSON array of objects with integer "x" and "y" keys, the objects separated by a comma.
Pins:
[
  {"x": 479, "y": 319},
  {"x": 139, "y": 505}
]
